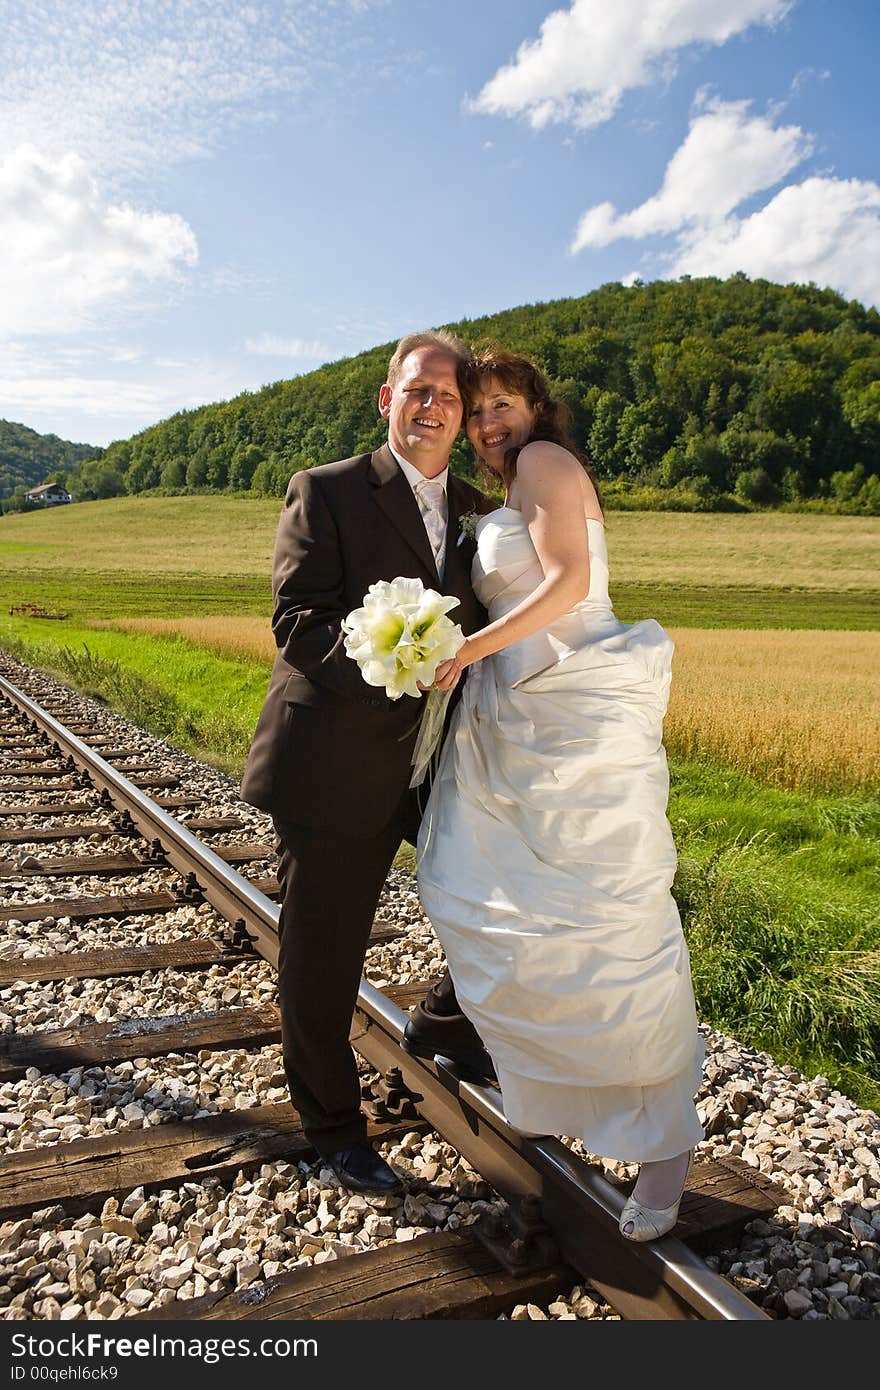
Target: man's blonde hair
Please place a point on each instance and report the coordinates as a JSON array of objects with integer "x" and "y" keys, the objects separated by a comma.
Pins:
[{"x": 436, "y": 338}]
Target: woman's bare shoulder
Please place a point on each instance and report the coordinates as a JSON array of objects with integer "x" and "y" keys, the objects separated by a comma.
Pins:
[
  {"x": 540, "y": 452},
  {"x": 541, "y": 461}
]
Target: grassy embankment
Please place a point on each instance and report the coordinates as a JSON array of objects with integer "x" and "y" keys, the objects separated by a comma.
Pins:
[{"x": 771, "y": 733}]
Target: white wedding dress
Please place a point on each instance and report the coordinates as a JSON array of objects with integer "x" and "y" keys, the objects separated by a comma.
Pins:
[{"x": 545, "y": 865}]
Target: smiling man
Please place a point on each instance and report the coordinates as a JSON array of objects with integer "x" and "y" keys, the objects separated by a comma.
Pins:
[{"x": 331, "y": 755}]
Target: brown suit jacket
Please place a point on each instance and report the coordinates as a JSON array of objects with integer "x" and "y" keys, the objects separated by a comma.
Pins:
[{"x": 331, "y": 752}]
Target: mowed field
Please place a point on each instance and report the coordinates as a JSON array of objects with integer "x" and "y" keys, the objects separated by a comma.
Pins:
[
  {"x": 176, "y": 556},
  {"x": 772, "y": 729}
]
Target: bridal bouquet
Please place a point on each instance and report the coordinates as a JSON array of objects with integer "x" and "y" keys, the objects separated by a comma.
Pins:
[{"x": 398, "y": 639}]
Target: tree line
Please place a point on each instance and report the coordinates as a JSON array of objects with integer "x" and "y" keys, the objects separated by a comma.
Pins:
[{"x": 696, "y": 394}]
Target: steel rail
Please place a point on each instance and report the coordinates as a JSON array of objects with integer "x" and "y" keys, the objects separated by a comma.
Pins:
[
  {"x": 661, "y": 1279},
  {"x": 227, "y": 891}
]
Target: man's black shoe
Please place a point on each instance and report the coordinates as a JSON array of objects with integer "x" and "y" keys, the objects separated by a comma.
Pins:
[
  {"x": 461, "y": 1044},
  {"x": 361, "y": 1169}
]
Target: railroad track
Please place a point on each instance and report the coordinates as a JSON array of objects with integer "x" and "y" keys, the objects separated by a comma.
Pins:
[{"x": 552, "y": 1223}]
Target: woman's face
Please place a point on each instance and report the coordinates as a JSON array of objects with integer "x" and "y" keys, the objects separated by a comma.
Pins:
[{"x": 498, "y": 420}]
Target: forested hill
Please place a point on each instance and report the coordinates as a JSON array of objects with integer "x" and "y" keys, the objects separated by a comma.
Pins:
[
  {"x": 698, "y": 392},
  {"x": 28, "y": 459}
]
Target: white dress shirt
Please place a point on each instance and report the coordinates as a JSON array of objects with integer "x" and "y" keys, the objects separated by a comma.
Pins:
[{"x": 436, "y": 523}]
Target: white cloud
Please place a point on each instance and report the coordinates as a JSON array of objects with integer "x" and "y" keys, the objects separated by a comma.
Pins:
[
  {"x": 271, "y": 345},
  {"x": 727, "y": 156},
  {"x": 823, "y": 229},
  {"x": 587, "y": 56},
  {"x": 136, "y": 87},
  {"x": 72, "y": 394},
  {"x": 105, "y": 396},
  {"x": 68, "y": 252}
]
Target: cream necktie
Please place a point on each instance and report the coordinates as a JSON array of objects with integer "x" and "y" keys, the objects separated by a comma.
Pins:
[{"x": 432, "y": 503}]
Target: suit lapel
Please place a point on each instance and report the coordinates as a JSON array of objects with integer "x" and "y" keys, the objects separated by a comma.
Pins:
[{"x": 394, "y": 495}]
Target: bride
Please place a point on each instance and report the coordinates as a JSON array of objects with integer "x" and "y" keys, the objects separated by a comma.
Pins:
[{"x": 545, "y": 857}]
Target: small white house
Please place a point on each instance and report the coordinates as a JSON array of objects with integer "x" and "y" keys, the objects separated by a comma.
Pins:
[{"x": 48, "y": 495}]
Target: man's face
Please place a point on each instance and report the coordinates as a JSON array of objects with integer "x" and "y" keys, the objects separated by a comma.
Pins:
[{"x": 424, "y": 409}]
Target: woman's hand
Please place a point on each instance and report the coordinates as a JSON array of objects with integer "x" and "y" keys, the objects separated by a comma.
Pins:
[
  {"x": 448, "y": 675},
  {"x": 449, "y": 672}
]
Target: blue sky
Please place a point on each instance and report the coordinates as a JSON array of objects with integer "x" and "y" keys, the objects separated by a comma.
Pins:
[{"x": 198, "y": 198}]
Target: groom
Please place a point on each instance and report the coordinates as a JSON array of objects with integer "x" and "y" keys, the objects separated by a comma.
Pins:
[{"x": 331, "y": 755}]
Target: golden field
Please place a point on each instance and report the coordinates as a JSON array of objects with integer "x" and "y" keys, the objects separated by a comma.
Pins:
[{"x": 796, "y": 709}]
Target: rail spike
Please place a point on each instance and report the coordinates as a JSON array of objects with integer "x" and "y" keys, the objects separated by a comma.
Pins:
[
  {"x": 519, "y": 1239},
  {"x": 236, "y": 937},
  {"x": 389, "y": 1099},
  {"x": 192, "y": 891}
]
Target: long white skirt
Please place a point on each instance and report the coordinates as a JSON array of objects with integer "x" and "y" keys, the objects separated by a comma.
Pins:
[{"x": 545, "y": 865}]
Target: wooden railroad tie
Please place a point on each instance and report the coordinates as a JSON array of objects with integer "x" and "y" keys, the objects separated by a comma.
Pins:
[
  {"x": 59, "y": 1050},
  {"x": 126, "y": 863},
  {"x": 128, "y": 960},
  {"x": 64, "y": 784},
  {"x": 27, "y": 755},
  {"x": 206, "y": 823},
  {"x": 111, "y": 754},
  {"x": 192, "y": 954},
  {"x": 722, "y": 1196},
  {"x": 76, "y": 864},
  {"x": 81, "y": 909},
  {"x": 80, "y": 1175},
  {"x": 440, "y": 1274},
  {"x": 67, "y": 830},
  {"x": 98, "y": 1044},
  {"x": 26, "y": 770},
  {"x": 31, "y": 754}
]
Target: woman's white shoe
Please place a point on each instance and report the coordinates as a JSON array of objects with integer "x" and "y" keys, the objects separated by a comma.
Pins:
[{"x": 638, "y": 1222}]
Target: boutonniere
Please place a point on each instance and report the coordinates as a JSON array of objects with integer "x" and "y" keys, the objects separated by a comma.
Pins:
[{"x": 467, "y": 526}]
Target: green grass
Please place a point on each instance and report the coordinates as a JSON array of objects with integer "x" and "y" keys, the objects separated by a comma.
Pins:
[
  {"x": 85, "y": 595},
  {"x": 150, "y": 535},
  {"x": 779, "y": 893},
  {"x": 672, "y": 606},
  {"x": 198, "y": 701}
]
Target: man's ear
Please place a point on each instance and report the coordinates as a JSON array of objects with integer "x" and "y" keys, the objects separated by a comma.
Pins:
[{"x": 385, "y": 400}]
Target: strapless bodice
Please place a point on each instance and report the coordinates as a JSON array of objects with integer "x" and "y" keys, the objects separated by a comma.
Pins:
[
  {"x": 506, "y": 569},
  {"x": 506, "y": 566}
]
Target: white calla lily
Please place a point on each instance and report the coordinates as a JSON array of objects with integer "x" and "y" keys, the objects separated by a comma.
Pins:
[{"x": 401, "y": 635}]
